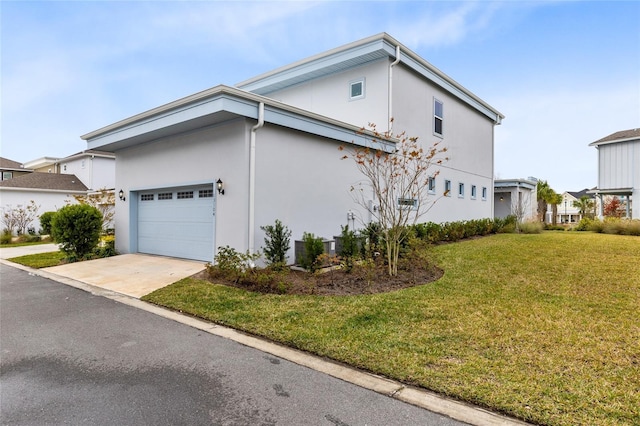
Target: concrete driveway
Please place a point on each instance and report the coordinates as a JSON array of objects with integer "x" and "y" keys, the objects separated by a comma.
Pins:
[{"x": 131, "y": 274}]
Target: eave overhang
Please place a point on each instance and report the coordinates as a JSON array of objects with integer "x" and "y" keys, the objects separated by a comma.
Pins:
[
  {"x": 218, "y": 105},
  {"x": 381, "y": 46}
]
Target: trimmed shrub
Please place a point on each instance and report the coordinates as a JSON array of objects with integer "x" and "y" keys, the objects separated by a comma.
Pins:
[
  {"x": 231, "y": 264},
  {"x": 277, "y": 243},
  {"x": 76, "y": 228},
  {"x": 313, "y": 248}
]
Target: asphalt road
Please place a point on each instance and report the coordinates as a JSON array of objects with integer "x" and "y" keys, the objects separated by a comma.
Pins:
[{"x": 70, "y": 357}]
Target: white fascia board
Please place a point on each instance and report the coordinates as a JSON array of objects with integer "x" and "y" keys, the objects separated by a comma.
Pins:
[
  {"x": 632, "y": 139},
  {"x": 40, "y": 162},
  {"x": 156, "y": 122},
  {"x": 238, "y": 103},
  {"x": 262, "y": 83}
]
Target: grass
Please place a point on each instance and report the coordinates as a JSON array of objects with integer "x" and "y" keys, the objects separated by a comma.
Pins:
[
  {"x": 543, "y": 327},
  {"x": 40, "y": 260}
]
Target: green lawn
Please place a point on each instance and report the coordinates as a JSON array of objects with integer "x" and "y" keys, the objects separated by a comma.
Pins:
[
  {"x": 40, "y": 260},
  {"x": 542, "y": 327}
]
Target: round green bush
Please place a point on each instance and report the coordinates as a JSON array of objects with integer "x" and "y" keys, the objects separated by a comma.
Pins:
[
  {"x": 45, "y": 222},
  {"x": 76, "y": 228}
]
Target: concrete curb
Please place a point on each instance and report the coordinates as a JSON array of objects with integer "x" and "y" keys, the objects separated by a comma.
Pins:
[{"x": 428, "y": 400}]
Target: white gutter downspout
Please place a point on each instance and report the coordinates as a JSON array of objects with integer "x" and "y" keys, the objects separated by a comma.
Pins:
[
  {"x": 252, "y": 177},
  {"x": 390, "y": 94}
]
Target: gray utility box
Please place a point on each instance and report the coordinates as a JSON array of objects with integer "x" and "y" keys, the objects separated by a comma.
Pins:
[{"x": 329, "y": 248}]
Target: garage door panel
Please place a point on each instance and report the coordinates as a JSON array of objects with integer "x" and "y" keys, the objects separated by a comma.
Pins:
[{"x": 177, "y": 227}]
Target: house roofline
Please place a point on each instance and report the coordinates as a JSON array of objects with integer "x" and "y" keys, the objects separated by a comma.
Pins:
[
  {"x": 236, "y": 102},
  {"x": 598, "y": 143},
  {"x": 383, "y": 45}
]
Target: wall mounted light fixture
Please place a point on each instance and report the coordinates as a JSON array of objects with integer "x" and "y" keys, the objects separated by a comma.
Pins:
[
  {"x": 121, "y": 195},
  {"x": 220, "y": 186}
]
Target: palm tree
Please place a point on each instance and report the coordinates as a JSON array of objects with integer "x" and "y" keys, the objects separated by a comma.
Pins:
[
  {"x": 584, "y": 204},
  {"x": 555, "y": 200},
  {"x": 544, "y": 195}
]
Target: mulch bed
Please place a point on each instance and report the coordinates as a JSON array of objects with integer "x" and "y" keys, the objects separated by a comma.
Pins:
[{"x": 335, "y": 282}]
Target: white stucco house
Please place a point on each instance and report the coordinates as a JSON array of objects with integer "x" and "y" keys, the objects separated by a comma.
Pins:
[
  {"x": 272, "y": 145},
  {"x": 52, "y": 183},
  {"x": 517, "y": 197},
  {"x": 619, "y": 169}
]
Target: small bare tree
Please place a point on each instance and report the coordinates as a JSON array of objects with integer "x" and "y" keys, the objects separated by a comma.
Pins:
[
  {"x": 520, "y": 207},
  {"x": 399, "y": 182},
  {"x": 19, "y": 218}
]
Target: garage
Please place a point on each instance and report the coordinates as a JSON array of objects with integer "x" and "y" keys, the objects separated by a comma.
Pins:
[{"x": 177, "y": 222}]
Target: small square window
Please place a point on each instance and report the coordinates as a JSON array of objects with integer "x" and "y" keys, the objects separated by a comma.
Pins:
[
  {"x": 7, "y": 175},
  {"x": 473, "y": 192},
  {"x": 484, "y": 193},
  {"x": 432, "y": 185},
  {"x": 447, "y": 188},
  {"x": 461, "y": 190},
  {"x": 356, "y": 89}
]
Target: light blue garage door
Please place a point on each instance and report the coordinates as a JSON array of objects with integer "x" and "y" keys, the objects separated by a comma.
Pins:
[{"x": 177, "y": 222}]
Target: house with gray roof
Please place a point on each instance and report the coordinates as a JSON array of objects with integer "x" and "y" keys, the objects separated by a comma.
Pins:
[
  {"x": 10, "y": 169},
  {"x": 51, "y": 183},
  {"x": 210, "y": 169},
  {"x": 619, "y": 169}
]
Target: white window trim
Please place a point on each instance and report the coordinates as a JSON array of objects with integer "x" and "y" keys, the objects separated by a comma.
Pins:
[
  {"x": 460, "y": 190},
  {"x": 431, "y": 186},
  {"x": 414, "y": 206},
  {"x": 433, "y": 121},
  {"x": 447, "y": 182},
  {"x": 474, "y": 192},
  {"x": 361, "y": 80},
  {"x": 484, "y": 193}
]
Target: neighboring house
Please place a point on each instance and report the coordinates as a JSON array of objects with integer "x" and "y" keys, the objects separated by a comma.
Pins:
[
  {"x": 619, "y": 169},
  {"x": 515, "y": 197},
  {"x": 11, "y": 169},
  {"x": 48, "y": 191},
  {"x": 96, "y": 169},
  {"x": 272, "y": 147},
  {"x": 566, "y": 211},
  {"x": 52, "y": 182}
]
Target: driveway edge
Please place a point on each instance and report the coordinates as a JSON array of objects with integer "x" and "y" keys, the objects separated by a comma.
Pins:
[{"x": 428, "y": 400}]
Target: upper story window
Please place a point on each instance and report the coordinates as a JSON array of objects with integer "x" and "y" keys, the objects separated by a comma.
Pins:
[
  {"x": 356, "y": 89},
  {"x": 474, "y": 192},
  {"x": 461, "y": 190},
  {"x": 438, "y": 117},
  {"x": 447, "y": 188},
  {"x": 484, "y": 192},
  {"x": 432, "y": 185},
  {"x": 7, "y": 175}
]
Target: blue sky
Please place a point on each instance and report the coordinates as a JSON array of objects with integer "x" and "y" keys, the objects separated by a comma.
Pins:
[{"x": 565, "y": 73}]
